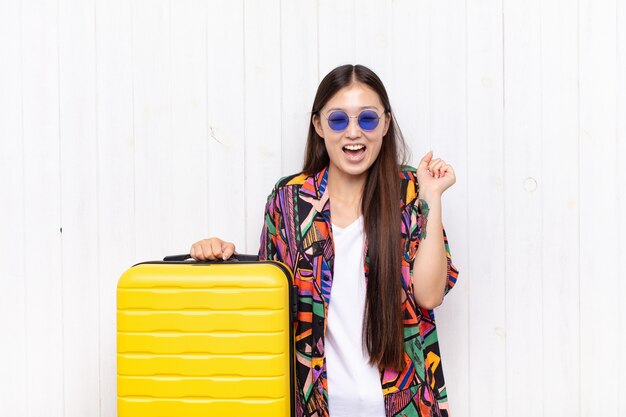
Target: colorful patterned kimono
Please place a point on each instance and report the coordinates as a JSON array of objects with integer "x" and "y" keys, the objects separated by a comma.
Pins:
[{"x": 297, "y": 232}]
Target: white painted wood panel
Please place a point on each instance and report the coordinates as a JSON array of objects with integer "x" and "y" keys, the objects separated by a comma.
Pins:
[
  {"x": 447, "y": 79},
  {"x": 43, "y": 273},
  {"x": 559, "y": 188},
  {"x": 485, "y": 271},
  {"x": 152, "y": 98},
  {"x": 13, "y": 386},
  {"x": 599, "y": 303},
  {"x": 621, "y": 202},
  {"x": 408, "y": 84},
  {"x": 411, "y": 80},
  {"x": 523, "y": 185},
  {"x": 298, "y": 68},
  {"x": 116, "y": 185},
  {"x": 372, "y": 36},
  {"x": 336, "y": 34},
  {"x": 263, "y": 125},
  {"x": 78, "y": 176},
  {"x": 189, "y": 140},
  {"x": 226, "y": 217}
]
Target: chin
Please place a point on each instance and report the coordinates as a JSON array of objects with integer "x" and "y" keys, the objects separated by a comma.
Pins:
[{"x": 356, "y": 171}]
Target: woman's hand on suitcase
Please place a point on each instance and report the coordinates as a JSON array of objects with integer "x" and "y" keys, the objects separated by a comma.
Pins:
[{"x": 212, "y": 249}]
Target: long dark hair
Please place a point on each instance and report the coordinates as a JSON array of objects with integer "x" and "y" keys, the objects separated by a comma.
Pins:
[{"x": 380, "y": 204}]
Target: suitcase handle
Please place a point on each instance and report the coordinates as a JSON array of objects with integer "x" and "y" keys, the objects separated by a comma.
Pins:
[{"x": 237, "y": 257}]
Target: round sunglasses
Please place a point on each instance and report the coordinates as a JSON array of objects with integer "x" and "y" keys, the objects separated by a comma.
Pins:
[{"x": 338, "y": 120}]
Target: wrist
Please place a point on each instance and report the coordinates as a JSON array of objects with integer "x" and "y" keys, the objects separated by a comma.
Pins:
[{"x": 430, "y": 198}]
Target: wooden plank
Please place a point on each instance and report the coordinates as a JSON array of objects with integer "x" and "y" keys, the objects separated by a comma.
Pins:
[
  {"x": 298, "y": 80},
  {"x": 560, "y": 194},
  {"x": 409, "y": 84},
  {"x": 189, "y": 123},
  {"x": 599, "y": 301},
  {"x": 448, "y": 136},
  {"x": 262, "y": 111},
  {"x": 621, "y": 198},
  {"x": 152, "y": 90},
  {"x": 226, "y": 188},
  {"x": 447, "y": 53},
  {"x": 523, "y": 181},
  {"x": 116, "y": 185},
  {"x": 13, "y": 400},
  {"x": 373, "y": 36},
  {"x": 79, "y": 214},
  {"x": 42, "y": 209},
  {"x": 336, "y": 34},
  {"x": 486, "y": 270}
]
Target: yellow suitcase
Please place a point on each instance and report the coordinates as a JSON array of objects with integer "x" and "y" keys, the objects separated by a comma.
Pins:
[{"x": 205, "y": 339}]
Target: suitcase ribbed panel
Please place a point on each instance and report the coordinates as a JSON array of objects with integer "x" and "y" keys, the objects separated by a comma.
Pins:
[
  {"x": 204, "y": 340},
  {"x": 200, "y": 364},
  {"x": 153, "y": 407}
]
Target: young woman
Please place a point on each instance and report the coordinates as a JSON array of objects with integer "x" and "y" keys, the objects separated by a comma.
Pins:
[{"x": 362, "y": 233}]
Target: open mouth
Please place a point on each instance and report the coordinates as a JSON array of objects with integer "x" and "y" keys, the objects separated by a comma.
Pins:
[{"x": 354, "y": 151}]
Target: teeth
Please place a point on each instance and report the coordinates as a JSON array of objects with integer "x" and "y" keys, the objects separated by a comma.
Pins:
[{"x": 354, "y": 147}]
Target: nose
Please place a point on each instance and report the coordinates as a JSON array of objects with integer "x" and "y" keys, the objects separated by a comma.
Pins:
[{"x": 353, "y": 130}]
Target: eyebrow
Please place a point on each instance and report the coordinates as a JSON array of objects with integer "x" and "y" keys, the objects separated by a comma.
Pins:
[{"x": 360, "y": 108}]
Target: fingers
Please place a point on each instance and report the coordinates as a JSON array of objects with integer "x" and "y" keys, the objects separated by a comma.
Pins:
[
  {"x": 227, "y": 250},
  {"x": 212, "y": 249},
  {"x": 197, "y": 251},
  {"x": 215, "y": 249},
  {"x": 426, "y": 159},
  {"x": 437, "y": 167}
]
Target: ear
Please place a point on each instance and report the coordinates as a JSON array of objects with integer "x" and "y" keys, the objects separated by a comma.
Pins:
[
  {"x": 387, "y": 122},
  {"x": 317, "y": 123}
]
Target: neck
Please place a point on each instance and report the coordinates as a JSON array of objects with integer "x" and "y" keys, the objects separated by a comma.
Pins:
[{"x": 347, "y": 188}]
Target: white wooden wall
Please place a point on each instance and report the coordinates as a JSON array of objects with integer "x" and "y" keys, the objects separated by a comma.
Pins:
[{"x": 130, "y": 129}]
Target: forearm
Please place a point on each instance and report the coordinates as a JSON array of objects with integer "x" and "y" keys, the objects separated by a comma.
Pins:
[{"x": 430, "y": 267}]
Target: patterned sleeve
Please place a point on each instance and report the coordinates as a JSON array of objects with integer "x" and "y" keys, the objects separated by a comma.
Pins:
[
  {"x": 416, "y": 232},
  {"x": 453, "y": 273},
  {"x": 268, "y": 247}
]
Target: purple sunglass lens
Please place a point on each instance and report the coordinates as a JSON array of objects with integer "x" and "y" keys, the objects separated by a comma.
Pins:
[
  {"x": 338, "y": 120},
  {"x": 368, "y": 120}
]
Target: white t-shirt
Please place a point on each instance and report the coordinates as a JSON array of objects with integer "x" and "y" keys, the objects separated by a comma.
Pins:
[{"x": 354, "y": 387}]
